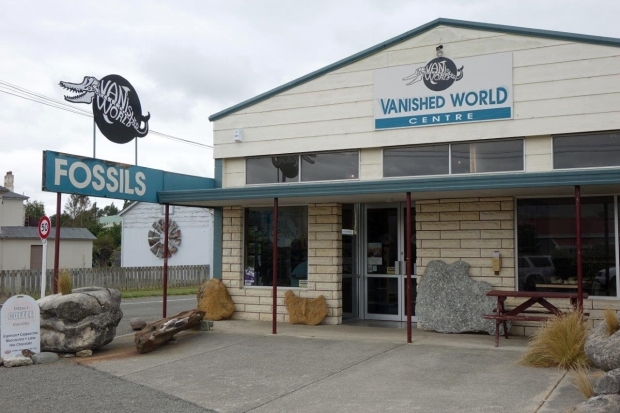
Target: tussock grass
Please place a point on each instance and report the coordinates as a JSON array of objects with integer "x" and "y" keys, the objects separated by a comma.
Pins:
[
  {"x": 611, "y": 319},
  {"x": 581, "y": 381},
  {"x": 558, "y": 343},
  {"x": 65, "y": 283}
]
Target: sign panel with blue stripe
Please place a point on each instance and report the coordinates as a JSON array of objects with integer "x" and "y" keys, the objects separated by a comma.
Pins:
[
  {"x": 72, "y": 174},
  {"x": 444, "y": 91}
]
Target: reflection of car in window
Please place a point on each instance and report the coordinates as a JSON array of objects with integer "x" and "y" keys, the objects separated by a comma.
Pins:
[
  {"x": 605, "y": 282},
  {"x": 535, "y": 269}
]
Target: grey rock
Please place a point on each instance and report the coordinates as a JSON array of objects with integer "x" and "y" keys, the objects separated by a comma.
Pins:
[
  {"x": 603, "y": 350},
  {"x": 607, "y": 384},
  {"x": 85, "y": 319},
  {"x": 449, "y": 301},
  {"x": 44, "y": 358},
  {"x": 16, "y": 361},
  {"x": 607, "y": 403},
  {"x": 137, "y": 324},
  {"x": 69, "y": 356},
  {"x": 84, "y": 353}
]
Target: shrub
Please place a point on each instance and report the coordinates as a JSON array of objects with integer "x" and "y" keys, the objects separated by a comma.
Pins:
[
  {"x": 582, "y": 382},
  {"x": 559, "y": 342},
  {"x": 65, "y": 284},
  {"x": 611, "y": 319}
]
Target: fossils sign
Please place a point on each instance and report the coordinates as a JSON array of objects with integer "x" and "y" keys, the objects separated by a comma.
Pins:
[
  {"x": 21, "y": 326},
  {"x": 116, "y": 106}
]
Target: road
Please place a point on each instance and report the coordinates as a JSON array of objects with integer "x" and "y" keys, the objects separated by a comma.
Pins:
[{"x": 150, "y": 309}]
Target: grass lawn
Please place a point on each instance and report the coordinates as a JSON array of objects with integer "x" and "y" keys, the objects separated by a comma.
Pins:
[{"x": 139, "y": 293}]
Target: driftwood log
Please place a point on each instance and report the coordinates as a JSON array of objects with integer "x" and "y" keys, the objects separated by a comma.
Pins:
[{"x": 158, "y": 332}]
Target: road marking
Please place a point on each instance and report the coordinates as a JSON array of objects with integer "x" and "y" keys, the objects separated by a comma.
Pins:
[{"x": 159, "y": 302}]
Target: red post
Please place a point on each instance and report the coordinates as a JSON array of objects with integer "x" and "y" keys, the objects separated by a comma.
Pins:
[
  {"x": 408, "y": 250},
  {"x": 56, "y": 244},
  {"x": 165, "y": 303},
  {"x": 274, "y": 279},
  {"x": 578, "y": 235}
]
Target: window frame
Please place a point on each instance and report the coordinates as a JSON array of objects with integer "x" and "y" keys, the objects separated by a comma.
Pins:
[
  {"x": 584, "y": 134},
  {"x": 299, "y": 155},
  {"x": 450, "y": 173}
]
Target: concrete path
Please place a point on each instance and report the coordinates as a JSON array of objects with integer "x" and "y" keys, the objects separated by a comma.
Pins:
[{"x": 239, "y": 367}]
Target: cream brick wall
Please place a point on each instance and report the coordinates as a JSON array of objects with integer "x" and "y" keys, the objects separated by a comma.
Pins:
[
  {"x": 468, "y": 229},
  {"x": 324, "y": 266}
]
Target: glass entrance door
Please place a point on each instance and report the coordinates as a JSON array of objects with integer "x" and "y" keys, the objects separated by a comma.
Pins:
[{"x": 384, "y": 267}]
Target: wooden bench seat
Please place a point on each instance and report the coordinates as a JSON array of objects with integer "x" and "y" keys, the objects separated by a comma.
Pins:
[{"x": 518, "y": 317}]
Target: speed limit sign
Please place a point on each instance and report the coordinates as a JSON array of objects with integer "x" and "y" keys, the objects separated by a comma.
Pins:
[{"x": 44, "y": 227}]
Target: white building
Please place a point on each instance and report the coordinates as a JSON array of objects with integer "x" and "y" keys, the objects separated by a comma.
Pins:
[
  {"x": 190, "y": 236},
  {"x": 496, "y": 132}
]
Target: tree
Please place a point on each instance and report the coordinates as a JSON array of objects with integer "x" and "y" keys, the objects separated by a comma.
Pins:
[
  {"x": 77, "y": 204},
  {"x": 34, "y": 211},
  {"x": 110, "y": 210}
]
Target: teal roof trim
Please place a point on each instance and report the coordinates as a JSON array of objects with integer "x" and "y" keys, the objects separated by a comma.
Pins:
[
  {"x": 433, "y": 184},
  {"x": 521, "y": 31}
]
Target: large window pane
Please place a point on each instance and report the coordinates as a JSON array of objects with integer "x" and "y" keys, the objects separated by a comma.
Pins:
[
  {"x": 547, "y": 254},
  {"x": 495, "y": 156},
  {"x": 272, "y": 169},
  {"x": 330, "y": 166},
  {"x": 416, "y": 161},
  {"x": 292, "y": 246},
  {"x": 586, "y": 151}
]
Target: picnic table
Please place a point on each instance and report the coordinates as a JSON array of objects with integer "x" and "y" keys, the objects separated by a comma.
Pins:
[{"x": 523, "y": 311}]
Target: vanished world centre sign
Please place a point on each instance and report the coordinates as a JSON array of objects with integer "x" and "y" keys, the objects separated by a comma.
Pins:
[
  {"x": 72, "y": 174},
  {"x": 444, "y": 91}
]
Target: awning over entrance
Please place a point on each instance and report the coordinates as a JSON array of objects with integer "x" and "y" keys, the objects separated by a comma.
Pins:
[{"x": 505, "y": 184}]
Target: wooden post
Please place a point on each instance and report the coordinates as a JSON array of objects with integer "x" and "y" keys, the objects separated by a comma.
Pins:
[
  {"x": 274, "y": 278},
  {"x": 408, "y": 251},
  {"x": 57, "y": 244},
  {"x": 578, "y": 235},
  {"x": 167, "y": 210}
]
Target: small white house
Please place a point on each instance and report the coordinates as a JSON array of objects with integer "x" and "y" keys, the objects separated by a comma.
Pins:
[
  {"x": 21, "y": 247},
  {"x": 190, "y": 235}
]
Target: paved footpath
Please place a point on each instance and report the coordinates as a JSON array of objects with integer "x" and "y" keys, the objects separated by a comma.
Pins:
[{"x": 240, "y": 367}]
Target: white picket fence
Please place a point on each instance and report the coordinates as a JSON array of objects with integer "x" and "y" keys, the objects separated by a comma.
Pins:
[{"x": 133, "y": 278}]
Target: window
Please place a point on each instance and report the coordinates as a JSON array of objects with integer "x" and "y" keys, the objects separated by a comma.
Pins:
[
  {"x": 272, "y": 169},
  {"x": 494, "y": 156},
  {"x": 586, "y": 151},
  {"x": 470, "y": 157},
  {"x": 416, "y": 161},
  {"x": 313, "y": 167},
  {"x": 292, "y": 247},
  {"x": 330, "y": 166},
  {"x": 547, "y": 255}
]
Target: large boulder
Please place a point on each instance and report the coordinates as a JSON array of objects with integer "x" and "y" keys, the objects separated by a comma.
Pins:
[
  {"x": 83, "y": 320},
  {"x": 214, "y": 300},
  {"x": 602, "y": 349},
  {"x": 607, "y": 403},
  {"x": 310, "y": 311},
  {"x": 449, "y": 301}
]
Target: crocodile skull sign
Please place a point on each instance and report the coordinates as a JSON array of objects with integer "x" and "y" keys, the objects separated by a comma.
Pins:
[{"x": 116, "y": 106}]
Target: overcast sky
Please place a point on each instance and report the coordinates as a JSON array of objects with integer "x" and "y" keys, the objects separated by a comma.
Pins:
[{"x": 190, "y": 59}]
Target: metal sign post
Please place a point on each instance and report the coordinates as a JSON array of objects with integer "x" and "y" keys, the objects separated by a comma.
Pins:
[{"x": 44, "y": 228}]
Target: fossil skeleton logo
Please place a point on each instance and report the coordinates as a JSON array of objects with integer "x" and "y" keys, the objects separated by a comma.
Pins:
[
  {"x": 116, "y": 106},
  {"x": 438, "y": 74}
]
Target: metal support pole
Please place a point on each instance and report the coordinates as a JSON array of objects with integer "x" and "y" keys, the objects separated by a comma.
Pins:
[
  {"x": 408, "y": 250},
  {"x": 578, "y": 235},
  {"x": 136, "y": 151},
  {"x": 57, "y": 244},
  {"x": 166, "y": 221},
  {"x": 94, "y": 137},
  {"x": 274, "y": 279}
]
